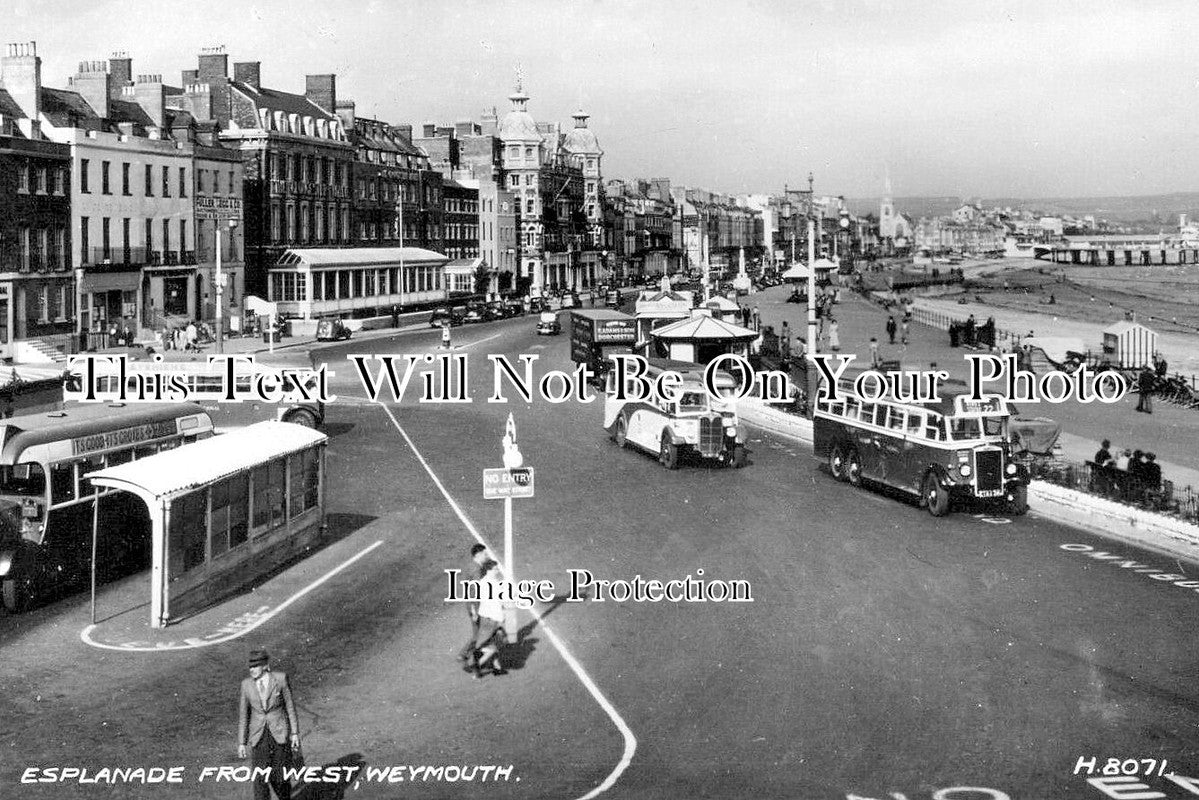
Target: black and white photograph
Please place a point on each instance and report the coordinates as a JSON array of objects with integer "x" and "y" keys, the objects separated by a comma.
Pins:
[{"x": 607, "y": 399}]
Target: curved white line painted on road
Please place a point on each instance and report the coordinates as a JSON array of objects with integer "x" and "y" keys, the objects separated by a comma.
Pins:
[
  {"x": 195, "y": 642},
  {"x": 630, "y": 741}
]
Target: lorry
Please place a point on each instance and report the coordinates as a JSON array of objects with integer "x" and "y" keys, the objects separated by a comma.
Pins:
[{"x": 594, "y": 332}]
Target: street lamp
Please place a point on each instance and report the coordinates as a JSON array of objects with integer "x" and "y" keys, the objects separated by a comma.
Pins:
[{"x": 220, "y": 288}]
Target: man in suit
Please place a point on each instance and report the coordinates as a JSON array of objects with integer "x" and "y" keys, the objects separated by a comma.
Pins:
[{"x": 267, "y": 722}]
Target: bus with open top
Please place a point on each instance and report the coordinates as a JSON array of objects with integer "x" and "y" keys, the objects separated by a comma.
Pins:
[{"x": 952, "y": 450}]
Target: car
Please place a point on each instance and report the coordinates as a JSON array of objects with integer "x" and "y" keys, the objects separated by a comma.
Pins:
[
  {"x": 547, "y": 324},
  {"x": 614, "y": 298},
  {"x": 475, "y": 313},
  {"x": 332, "y": 330},
  {"x": 537, "y": 305},
  {"x": 495, "y": 310},
  {"x": 446, "y": 316},
  {"x": 570, "y": 300}
]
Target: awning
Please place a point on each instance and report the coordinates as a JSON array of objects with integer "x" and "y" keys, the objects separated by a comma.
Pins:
[
  {"x": 178, "y": 471},
  {"x": 111, "y": 281}
]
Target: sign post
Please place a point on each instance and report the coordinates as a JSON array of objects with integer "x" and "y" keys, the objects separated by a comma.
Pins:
[{"x": 513, "y": 480}]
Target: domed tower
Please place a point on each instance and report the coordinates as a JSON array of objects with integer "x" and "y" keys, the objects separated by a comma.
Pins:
[
  {"x": 584, "y": 152},
  {"x": 523, "y": 156}
]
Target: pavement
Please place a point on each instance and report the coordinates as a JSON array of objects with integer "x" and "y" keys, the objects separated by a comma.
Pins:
[{"x": 1170, "y": 431}]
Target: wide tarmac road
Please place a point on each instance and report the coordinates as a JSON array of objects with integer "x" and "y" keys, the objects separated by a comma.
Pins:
[{"x": 886, "y": 654}]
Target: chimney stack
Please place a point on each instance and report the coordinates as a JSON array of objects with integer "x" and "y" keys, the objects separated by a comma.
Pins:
[
  {"x": 322, "y": 91},
  {"x": 21, "y": 76},
  {"x": 249, "y": 73},
  {"x": 189, "y": 76},
  {"x": 93, "y": 84},
  {"x": 120, "y": 67},
  {"x": 346, "y": 113},
  {"x": 405, "y": 132},
  {"x": 214, "y": 64},
  {"x": 150, "y": 94}
]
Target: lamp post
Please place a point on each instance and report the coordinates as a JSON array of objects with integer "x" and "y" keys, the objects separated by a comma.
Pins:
[
  {"x": 811, "y": 274},
  {"x": 220, "y": 287}
]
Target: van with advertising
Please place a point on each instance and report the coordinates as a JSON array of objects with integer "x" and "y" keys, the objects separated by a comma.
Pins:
[
  {"x": 691, "y": 423},
  {"x": 595, "y": 334}
]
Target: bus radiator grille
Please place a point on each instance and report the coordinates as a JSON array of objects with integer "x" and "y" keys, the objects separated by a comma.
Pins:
[
  {"x": 988, "y": 466},
  {"x": 711, "y": 437}
]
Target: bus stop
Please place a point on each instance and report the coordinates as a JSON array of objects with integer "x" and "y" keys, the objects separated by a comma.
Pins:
[{"x": 225, "y": 511}]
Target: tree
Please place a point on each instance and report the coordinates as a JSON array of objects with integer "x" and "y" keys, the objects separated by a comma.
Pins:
[{"x": 482, "y": 278}]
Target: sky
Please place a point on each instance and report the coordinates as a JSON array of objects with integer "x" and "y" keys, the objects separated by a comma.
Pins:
[{"x": 1047, "y": 98}]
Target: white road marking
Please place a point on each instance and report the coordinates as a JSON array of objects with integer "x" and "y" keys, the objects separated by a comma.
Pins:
[
  {"x": 194, "y": 642},
  {"x": 479, "y": 341},
  {"x": 630, "y": 741}
]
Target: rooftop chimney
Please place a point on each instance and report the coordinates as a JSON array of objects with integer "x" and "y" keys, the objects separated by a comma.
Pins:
[
  {"x": 149, "y": 93},
  {"x": 21, "y": 76},
  {"x": 346, "y": 112},
  {"x": 120, "y": 67},
  {"x": 93, "y": 83},
  {"x": 322, "y": 90},
  {"x": 248, "y": 72},
  {"x": 214, "y": 64},
  {"x": 189, "y": 76}
]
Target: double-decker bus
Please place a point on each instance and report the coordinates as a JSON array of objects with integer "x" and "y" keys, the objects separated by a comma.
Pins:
[
  {"x": 46, "y": 499},
  {"x": 954, "y": 449}
]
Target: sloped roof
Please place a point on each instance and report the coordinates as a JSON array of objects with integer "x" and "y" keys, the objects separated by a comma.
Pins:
[
  {"x": 126, "y": 111},
  {"x": 9, "y": 107},
  {"x": 63, "y": 107},
  {"x": 329, "y": 256},
  {"x": 286, "y": 102},
  {"x": 176, "y": 471},
  {"x": 1124, "y": 326},
  {"x": 704, "y": 327}
]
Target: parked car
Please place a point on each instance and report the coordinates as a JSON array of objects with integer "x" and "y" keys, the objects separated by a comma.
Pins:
[
  {"x": 446, "y": 316},
  {"x": 475, "y": 313},
  {"x": 547, "y": 324},
  {"x": 332, "y": 330},
  {"x": 570, "y": 300},
  {"x": 496, "y": 310}
]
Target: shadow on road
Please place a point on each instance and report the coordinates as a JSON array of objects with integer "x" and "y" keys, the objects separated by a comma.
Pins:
[
  {"x": 335, "y": 429},
  {"x": 514, "y": 656},
  {"x": 332, "y": 791}
]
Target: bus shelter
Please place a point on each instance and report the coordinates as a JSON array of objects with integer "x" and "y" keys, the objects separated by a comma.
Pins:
[{"x": 225, "y": 510}]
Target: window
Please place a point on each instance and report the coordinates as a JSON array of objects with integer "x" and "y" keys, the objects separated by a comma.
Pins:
[
  {"x": 88, "y": 465},
  {"x": 60, "y": 248},
  {"x": 105, "y": 237},
  {"x": 43, "y": 304},
  {"x": 125, "y": 239},
  {"x": 304, "y": 483},
  {"x": 149, "y": 181},
  {"x": 866, "y": 413},
  {"x": 23, "y": 178},
  {"x": 182, "y": 235},
  {"x": 895, "y": 418},
  {"x": 149, "y": 237},
  {"x": 166, "y": 236},
  {"x": 62, "y": 483},
  {"x": 915, "y": 423},
  {"x": 125, "y": 179},
  {"x": 185, "y": 535},
  {"x": 166, "y": 181},
  {"x": 60, "y": 180},
  {"x": 183, "y": 181},
  {"x": 84, "y": 185},
  {"x": 84, "y": 256},
  {"x": 229, "y": 520},
  {"x": 25, "y": 244},
  {"x": 104, "y": 187},
  {"x": 964, "y": 428},
  {"x": 41, "y": 180},
  {"x": 268, "y": 494}
]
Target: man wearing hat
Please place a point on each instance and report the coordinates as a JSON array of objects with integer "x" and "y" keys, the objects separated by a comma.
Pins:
[{"x": 266, "y": 721}]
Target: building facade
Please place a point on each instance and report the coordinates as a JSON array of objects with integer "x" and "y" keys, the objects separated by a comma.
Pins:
[
  {"x": 219, "y": 178},
  {"x": 37, "y": 286}
]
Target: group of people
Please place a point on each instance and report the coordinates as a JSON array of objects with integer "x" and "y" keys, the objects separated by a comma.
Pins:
[
  {"x": 1130, "y": 474},
  {"x": 970, "y": 334},
  {"x": 482, "y": 650},
  {"x": 186, "y": 337}
]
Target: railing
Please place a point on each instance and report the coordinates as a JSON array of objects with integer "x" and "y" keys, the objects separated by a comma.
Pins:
[
  {"x": 1122, "y": 487},
  {"x": 97, "y": 256}
]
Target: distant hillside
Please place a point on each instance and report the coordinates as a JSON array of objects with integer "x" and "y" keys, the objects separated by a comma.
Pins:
[{"x": 1147, "y": 209}]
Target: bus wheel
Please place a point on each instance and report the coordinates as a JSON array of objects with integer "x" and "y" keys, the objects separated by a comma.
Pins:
[
  {"x": 935, "y": 496},
  {"x": 1018, "y": 505},
  {"x": 669, "y": 454},
  {"x": 301, "y": 417},
  {"x": 853, "y": 468},
  {"x": 620, "y": 434},
  {"x": 17, "y": 593},
  {"x": 738, "y": 459},
  {"x": 836, "y": 463}
]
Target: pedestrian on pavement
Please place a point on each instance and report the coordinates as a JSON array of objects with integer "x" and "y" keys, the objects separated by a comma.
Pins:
[
  {"x": 268, "y": 725},
  {"x": 180, "y": 339},
  {"x": 168, "y": 338},
  {"x": 904, "y": 333},
  {"x": 1145, "y": 390},
  {"x": 1103, "y": 457},
  {"x": 473, "y": 571},
  {"x": 785, "y": 335},
  {"x": 891, "y": 328},
  {"x": 756, "y": 319},
  {"x": 491, "y": 623},
  {"x": 1136, "y": 464},
  {"x": 1162, "y": 368},
  {"x": 970, "y": 330},
  {"x": 192, "y": 334},
  {"x": 395, "y": 316},
  {"x": 834, "y": 338},
  {"x": 874, "y": 356}
]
